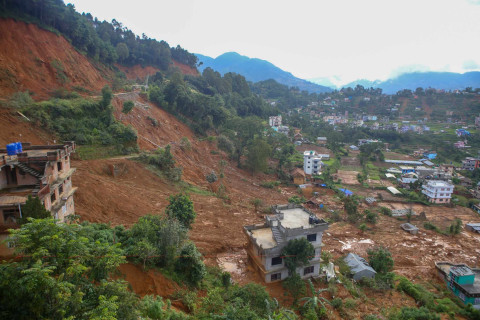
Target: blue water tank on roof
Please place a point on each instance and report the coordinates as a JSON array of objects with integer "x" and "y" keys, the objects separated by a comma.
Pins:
[
  {"x": 12, "y": 149},
  {"x": 19, "y": 147}
]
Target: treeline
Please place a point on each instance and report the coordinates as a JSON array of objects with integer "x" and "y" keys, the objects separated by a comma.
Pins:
[
  {"x": 285, "y": 98},
  {"x": 100, "y": 40},
  {"x": 208, "y": 101}
]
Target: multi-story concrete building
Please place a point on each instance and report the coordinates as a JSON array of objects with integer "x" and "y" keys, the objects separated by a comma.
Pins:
[
  {"x": 462, "y": 280},
  {"x": 470, "y": 163},
  {"x": 275, "y": 121},
  {"x": 266, "y": 241},
  {"x": 438, "y": 191},
  {"x": 39, "y": 171},
  {"x": 312, "y": 162}
]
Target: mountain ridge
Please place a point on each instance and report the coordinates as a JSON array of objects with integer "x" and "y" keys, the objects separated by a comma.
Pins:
[
  {"x": 255, "y": 70},
  {"x": 413, "y": 80}
]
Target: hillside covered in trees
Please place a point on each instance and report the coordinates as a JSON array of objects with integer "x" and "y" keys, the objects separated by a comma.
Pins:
[{"x": 100, "y": 40}]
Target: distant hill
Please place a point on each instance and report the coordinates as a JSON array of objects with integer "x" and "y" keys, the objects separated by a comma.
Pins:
[
  {"x": 437, "y": 80},
  {"x": 256, "y": 70}
]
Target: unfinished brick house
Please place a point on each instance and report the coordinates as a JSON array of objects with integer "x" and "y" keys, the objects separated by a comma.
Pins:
[
  {"x": 266, "y": 241},
  {"x": 40, "y": 171}
]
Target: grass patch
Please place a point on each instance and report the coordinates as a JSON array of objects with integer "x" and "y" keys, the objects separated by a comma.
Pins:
[
  {"x": 90, "y": 152},
  {"x": 188, "y": 188}
]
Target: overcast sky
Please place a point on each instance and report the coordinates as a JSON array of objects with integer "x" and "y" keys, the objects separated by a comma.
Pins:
[{"x": 350, "y": 39}]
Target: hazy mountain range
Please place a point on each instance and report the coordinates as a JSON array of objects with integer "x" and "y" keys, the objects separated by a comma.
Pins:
[{"x": 256, "y": 70}]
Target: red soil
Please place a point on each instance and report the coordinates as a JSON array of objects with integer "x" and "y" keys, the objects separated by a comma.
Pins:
[
  {"x": 27, "y": 55},
  {"x": 137, "y": 71},
  {"x": 149, "y": 282},
  {"x": 186, "y": 69},
  {"x": 14, "y": 127}
]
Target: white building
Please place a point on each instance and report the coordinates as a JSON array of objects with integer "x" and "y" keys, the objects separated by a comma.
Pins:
[
  {"x": 266, "y": 241},
  {"x": 275, "y": 121},
  {"x": 312, "y": 162},
  {"x": 438, "y": 191}
]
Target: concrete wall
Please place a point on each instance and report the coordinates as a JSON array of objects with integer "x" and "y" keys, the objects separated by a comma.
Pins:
[
  {"x": 5, "y": 251},
  {"x": 25, "y": 179},
  {"x": 3, "y": 178}
]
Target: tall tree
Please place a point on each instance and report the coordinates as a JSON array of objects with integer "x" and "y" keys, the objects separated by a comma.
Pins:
[{"x": 258, "y": 152}]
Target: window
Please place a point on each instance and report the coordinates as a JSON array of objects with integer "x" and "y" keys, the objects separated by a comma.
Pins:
[
  {"x": 276, "y": 276},
  {"x": 59, "y": 166},
  {"x": 312, "y": 237},
  {"x": 60, "y": 189},
  {"x": 52, "y": 197},
  {"x": 276, "y": 261},
  {"x": 308, "y": 270},
  {"x": 10, "y": 215}
]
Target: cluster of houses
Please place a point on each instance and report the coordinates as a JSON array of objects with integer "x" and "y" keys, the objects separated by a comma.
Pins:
[
  {"x": 436, "y": 181},
  {"x": 39, "y": 171}
]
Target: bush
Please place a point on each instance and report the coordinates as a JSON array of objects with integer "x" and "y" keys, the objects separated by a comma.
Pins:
[
  {"x": 190, "y": 264},
  {"x": 128, "y": 106},
  {"x": 370, "y": 217},
  {"x": 380, "y": 260},
  {"x": 225, "y": 144},
  {"x": 415, "y": 314},
  {"x": 337, "y": 303},
  {"x": 386, "y": 211},
  {"x": 295, "y": 286},
  {"x": 185, "y": 144},
  {"x": 211, "y": 177},
  {"x": 350, "y": 303},
  {"x": 21, "y": 100},
  {"x": 296, "y": 200},
  {"x": 181, "y": 208},
  {"x": 270, "y": 184}
]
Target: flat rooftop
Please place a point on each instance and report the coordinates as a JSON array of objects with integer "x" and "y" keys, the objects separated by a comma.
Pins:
[
  {"x": 264, "y": 237},
  {"x": 294, "y": 218},
  {"x": 439, "y": 183}
]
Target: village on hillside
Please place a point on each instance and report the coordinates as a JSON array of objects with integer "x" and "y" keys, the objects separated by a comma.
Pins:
[{"x": 138, "y": 183}]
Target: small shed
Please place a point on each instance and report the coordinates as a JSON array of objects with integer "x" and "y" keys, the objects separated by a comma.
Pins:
[
  {"x": 298, "y": 176},
  {"x": 410, "y": 228},
  {"x": 393, "y": 190},
  {"x": 474, "y": 227},
  {"x": 359, "y": 267},
  {"x": 353, "y": 148}
]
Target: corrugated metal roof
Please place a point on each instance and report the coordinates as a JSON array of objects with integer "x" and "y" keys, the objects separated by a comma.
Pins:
[
  {"x": 393, "y": 190},
  {"x": 357, "y": 263}
]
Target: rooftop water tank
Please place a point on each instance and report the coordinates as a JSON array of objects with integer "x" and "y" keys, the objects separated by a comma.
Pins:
[
  {"x": 12, "y": 149},
  {"x": 19, "y": 147}
]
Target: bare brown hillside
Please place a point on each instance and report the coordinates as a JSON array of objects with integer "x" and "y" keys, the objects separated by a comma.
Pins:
[
  {"x": 13, "y": 127},
  {"x": 138, "y": 191},
  {"x": 34, "y": 59}
]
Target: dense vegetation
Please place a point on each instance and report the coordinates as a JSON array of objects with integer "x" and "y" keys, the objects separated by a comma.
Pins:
[
  {"x": 101, "y": 40},
  {"x": 64, "y": 271},
  {"x": 86, "y": 121}
]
